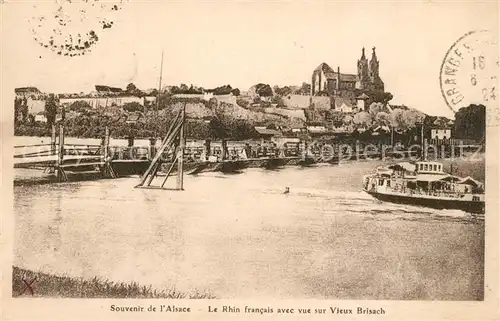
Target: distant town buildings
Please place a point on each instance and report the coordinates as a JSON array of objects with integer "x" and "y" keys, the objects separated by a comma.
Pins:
[
  {"x": 229, "y": 98},
  {"x": 27, "y": 92},
  {"x": 102, "y": 102},
  {"x": 442, "y": 129},
  {"x": 441, "y": 133},
  {"x": 267, "y": 133},
  {"x": 108, "y": 91},
  {"x": 32, "y": 98},
  {"x": 103, "y": 96},
  {"x": 347, "y": 91}
]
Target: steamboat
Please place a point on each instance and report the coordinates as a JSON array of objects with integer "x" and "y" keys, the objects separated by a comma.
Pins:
[{"x": 425, "y": 183}]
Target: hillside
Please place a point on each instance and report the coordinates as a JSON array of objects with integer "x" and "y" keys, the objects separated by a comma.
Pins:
[
  {"x": 205, "y": 119},
  {"x": 203, "y": 110}
]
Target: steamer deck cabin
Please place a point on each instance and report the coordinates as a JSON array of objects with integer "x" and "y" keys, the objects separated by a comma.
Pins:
[{"x": 425, "y": 184}]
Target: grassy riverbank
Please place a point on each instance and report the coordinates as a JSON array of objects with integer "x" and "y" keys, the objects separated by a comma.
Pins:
[
  {"x": 473, "y": 165},
  {"x": 62, "y": 286}
]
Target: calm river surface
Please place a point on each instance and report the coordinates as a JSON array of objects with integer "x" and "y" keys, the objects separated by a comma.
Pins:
[{"x": 239, "y": 236}]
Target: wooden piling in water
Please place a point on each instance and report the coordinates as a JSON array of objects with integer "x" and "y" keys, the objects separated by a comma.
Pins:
[
  {"x": 53, "y": 147},
  {"x": 53, "y": 140},
  {"x": 182, "y": 144},
  {"x": 61, "y": 175},
  {"x": 106, "y": 144},
  {"x": 152, "y": 148},
  {"x": 107, "y": 169},
  {"x": 207, "y": 149},
  {"x": 224, "y": 151}
]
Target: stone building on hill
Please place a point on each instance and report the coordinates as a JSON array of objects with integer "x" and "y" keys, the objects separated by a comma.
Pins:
[
  {"x": 28, "y": 92},
  {"x": 348, "y": 91}
]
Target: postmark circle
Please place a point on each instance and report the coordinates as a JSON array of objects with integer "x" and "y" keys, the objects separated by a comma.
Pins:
[{"x": 468, "y": 73}]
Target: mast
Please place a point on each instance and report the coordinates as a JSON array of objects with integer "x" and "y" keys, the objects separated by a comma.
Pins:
[
  {"x": 159, "y": 85},
  {"x": 392, "y": 137},
  {"x": 422, "y": 140}
]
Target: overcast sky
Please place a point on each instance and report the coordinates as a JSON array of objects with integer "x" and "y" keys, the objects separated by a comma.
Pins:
[{"x": 280, "y": 43}]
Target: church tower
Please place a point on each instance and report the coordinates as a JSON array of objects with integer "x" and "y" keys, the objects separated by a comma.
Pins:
[
  {"x": 376, "y": 83},
  {"x": 374, "y": 65},
  {"x": 363, "y": 75}
]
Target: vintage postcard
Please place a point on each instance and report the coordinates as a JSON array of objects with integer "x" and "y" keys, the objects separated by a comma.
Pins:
[{"x": 261, "y": 160}]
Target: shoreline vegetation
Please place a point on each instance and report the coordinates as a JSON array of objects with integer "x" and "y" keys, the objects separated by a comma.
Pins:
[{"x": 63, "y": 286}]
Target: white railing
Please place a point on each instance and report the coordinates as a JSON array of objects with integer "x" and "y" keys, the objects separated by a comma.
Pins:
[{"x": 440, "y": 193}]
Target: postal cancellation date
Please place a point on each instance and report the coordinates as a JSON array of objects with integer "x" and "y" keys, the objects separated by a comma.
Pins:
[{"x": 469, "y": 73}]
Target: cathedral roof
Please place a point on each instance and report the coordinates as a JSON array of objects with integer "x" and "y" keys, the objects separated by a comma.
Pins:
[
  {"x": 331, "y": 74},
  {"x": 348, "y": 77},
  {"x": 324, "y": 68}
]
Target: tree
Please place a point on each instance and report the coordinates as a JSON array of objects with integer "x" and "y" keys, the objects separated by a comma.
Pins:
[
  {"x": 24, "y": 110},
  {"x": 184, "y": 89},
  {"x": 63, "y": 113},
  {"x": 17, "y": 110},
  {"x": 240, "y": 129},
  {"x": 363, "y": 119},
  {"x": 283, "y": 91},
  {"x": 379, "y": 97},
  {"x": 221, "y": 90},
  {"x": 133, "y": 106},
  {"x": 154, "y": 92},
  {"x": 194, "y": 90},
  {"x": 386, "y": 97},
  {"x": 383, "y": 119},
  {"x": 263, "y": 90},
  {"x": 413, "y": 117},
  {"x": 470, "y": 122},
  {"x": 242, "y": 102},
  {"x": 278, "y": 100},
  {"x": 305, "y": 89},
  {"x": 20, "y": 110},
  {"x": 131, "y": 88},
  {"x": 197, "y": 129},
  {"x": 165, "y": 100},
  {"x": 50, "y": 110},
  {"x": 217, "y": 128},
  {"x": 31, "y": 119},
  {"x": 375, "y": 108},
  {"x": 212, "y": 103},
  {"x": 265, "y": 104},
  {"x": 348, "y": 119},
  {"x": 405, "y": 120},
  {"x": 235, "y": 92},
  {"x": 80, "y": 106}
]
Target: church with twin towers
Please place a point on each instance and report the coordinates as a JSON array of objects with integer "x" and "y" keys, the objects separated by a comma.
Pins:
[{"x": 348, "y": 89}]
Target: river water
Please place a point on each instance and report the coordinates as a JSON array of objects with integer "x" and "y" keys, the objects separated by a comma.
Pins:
[{"x": 239, "y": 236}]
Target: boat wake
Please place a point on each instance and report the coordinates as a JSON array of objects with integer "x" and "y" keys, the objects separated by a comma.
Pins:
[
  {"x": 361, "y": 203},
  {"x": 325, "y": 193}
]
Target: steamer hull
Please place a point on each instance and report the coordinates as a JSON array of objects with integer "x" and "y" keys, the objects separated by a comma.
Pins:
[{"x": 452, "y": 204}]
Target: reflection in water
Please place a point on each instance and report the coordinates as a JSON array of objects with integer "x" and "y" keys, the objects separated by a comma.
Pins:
[{"x": 241, "y": 237}]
